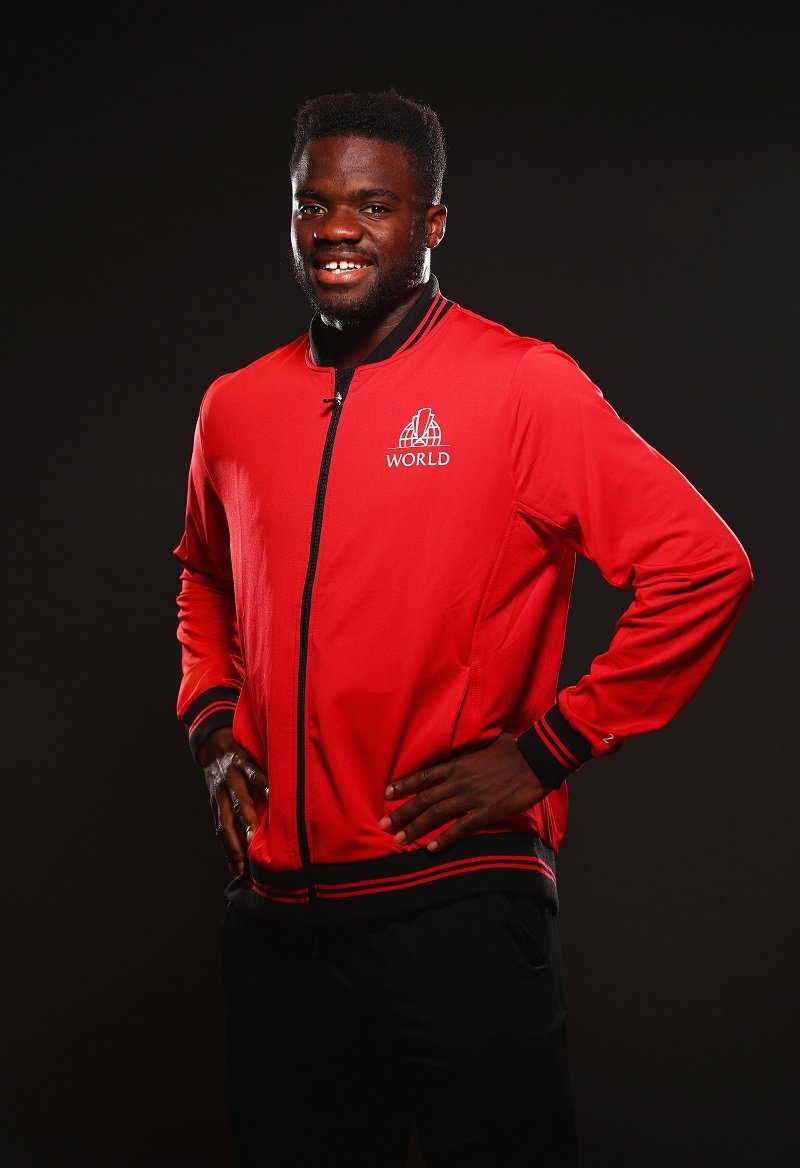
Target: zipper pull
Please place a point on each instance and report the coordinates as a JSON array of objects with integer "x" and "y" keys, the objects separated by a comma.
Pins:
[{"x": 337, "y": 399}]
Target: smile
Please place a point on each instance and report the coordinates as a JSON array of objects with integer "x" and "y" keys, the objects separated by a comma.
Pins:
[{"x": 341, "y": 272}]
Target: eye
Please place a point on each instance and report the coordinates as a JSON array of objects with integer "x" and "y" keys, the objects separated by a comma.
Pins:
[
  {"x": 306, "y": 209},
  {"x": 376, "y": 209}
]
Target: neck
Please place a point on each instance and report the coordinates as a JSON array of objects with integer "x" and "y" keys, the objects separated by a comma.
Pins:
[{"x": 347, "y": 345}]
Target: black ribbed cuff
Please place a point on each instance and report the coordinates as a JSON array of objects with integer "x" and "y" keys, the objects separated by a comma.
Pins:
[
  {"x": 209, "y": 712},
  {"x": 553, "y": 748}
]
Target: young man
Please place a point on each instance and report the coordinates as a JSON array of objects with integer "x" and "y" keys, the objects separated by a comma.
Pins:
[{"x": 382, "y": 524}]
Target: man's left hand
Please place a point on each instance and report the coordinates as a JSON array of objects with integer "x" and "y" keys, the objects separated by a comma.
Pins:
[{"x": 475, "y": 789}]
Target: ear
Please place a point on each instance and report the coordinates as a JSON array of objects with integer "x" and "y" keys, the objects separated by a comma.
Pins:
[{"x": 435, "y": 223}]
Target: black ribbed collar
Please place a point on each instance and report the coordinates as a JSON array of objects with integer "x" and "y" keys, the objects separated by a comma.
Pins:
[{"x": 400, "y": 335}]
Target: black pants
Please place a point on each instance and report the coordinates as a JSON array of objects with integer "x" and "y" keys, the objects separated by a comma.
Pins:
[{"x": 454, "y": 1015}]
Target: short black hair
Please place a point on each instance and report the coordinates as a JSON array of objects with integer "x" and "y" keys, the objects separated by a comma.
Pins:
[{"x": 381, "y": 114}]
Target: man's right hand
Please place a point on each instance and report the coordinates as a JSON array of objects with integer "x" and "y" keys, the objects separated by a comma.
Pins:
[{"x": 234, "y": 781}]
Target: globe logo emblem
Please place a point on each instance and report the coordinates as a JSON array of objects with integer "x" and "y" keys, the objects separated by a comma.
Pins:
[
  {"x": 422, "y": 430},
  {"x": 420, "y": 443}
]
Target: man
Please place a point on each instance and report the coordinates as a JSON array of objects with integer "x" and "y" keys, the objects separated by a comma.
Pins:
[{"x": 382, "y": 523}]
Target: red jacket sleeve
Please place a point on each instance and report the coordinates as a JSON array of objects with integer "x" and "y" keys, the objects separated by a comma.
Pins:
[
  {"x": 207, "y": 631},
  {"x": 584, "y": 477}
]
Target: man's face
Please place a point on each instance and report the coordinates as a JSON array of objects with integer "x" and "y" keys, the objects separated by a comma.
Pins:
[{"x": 360, "y": 233}]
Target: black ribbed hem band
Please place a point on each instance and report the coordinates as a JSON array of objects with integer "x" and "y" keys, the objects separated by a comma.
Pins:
[
  {"x": 401, "y": 882},
  {"x": 212, "y": 710},
  {"x": 553, "y": 748}
]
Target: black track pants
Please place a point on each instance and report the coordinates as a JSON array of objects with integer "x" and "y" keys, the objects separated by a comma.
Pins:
[{"x": 454, "y": 1015}]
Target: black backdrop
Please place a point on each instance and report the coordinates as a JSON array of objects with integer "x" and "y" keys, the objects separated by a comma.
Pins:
[{"x": 622, "y": 184}]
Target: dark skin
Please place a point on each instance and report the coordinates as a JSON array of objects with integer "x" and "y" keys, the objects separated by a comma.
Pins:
[
  {"x": 357, "y": 200},
  {"x": 234, "y": 803}
]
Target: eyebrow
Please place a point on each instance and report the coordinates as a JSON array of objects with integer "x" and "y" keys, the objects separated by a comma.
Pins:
[{"x": 364, "y": 193}]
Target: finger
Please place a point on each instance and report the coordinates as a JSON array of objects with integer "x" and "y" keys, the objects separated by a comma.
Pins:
[
  {"x": 466, "y": 825},
  {"x": 413, "y": 820},
  {"x": 419, "y": 781},
  {"x": 227, "y": 833},
  {"x": 251, "y": 770},
  {"x": 242, "y": 803},
  {"x": 421, "y": 802},
  {"x": 216, "y": 772}
]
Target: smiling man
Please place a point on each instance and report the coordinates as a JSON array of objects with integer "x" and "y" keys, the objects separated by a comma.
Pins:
[
  {"x": 382, "y": 523},
  {"x": 365, "y": 270}
]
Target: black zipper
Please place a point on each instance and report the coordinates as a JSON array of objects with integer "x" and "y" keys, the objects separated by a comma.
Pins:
[{"x": 341, "y": 386}]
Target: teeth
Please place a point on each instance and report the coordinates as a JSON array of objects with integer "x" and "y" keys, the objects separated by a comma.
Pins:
[{"x": 342, "y": 266}]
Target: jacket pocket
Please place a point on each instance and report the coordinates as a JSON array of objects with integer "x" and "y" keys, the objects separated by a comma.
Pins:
[{"x": 454, "y": 728}]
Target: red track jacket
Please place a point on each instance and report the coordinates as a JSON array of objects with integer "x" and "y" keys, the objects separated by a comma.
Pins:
[{"x": 376, "y": 569}]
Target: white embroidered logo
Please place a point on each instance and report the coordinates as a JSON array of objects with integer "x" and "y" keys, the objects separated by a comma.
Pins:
[{"x": 422, "y": 431}]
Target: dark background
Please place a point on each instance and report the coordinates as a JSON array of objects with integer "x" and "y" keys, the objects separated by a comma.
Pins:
[{"x": 624, "y": 184}]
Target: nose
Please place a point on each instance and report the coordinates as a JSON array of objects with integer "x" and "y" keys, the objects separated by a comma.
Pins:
[{"x": 338, "y": 226}]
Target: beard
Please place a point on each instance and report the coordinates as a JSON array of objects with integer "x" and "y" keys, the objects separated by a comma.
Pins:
[{"x": 341, "y": 307}]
